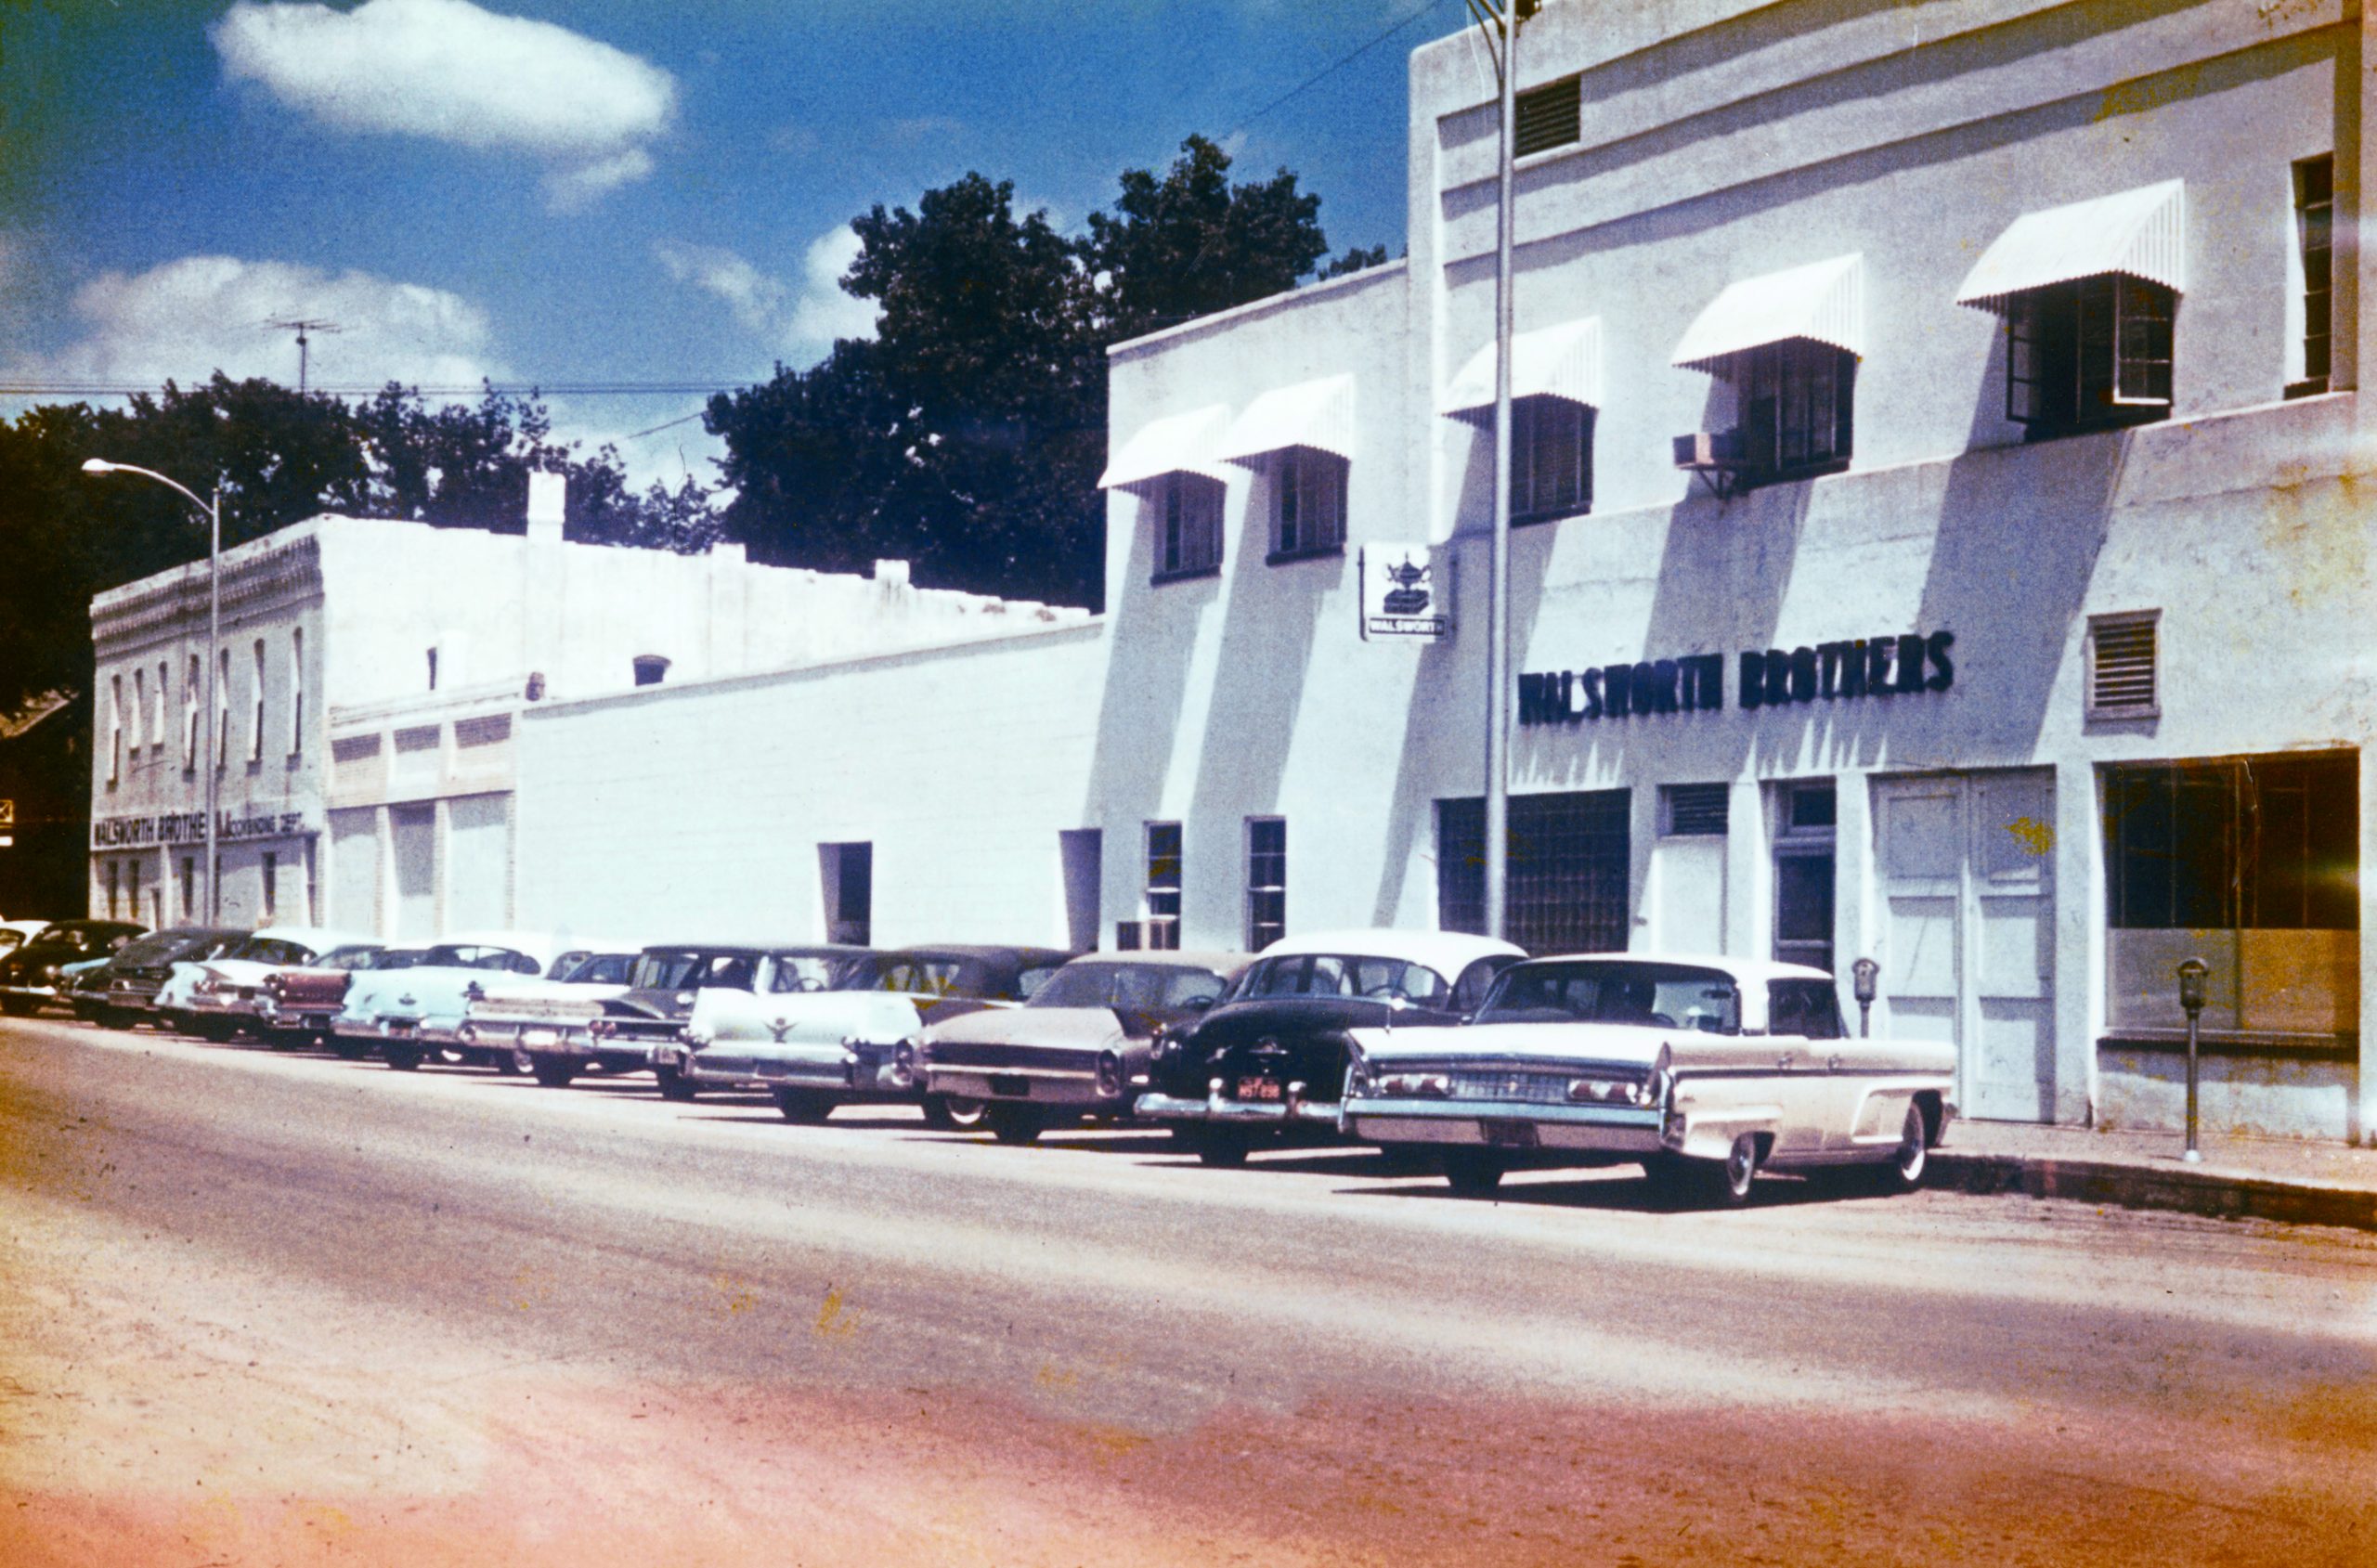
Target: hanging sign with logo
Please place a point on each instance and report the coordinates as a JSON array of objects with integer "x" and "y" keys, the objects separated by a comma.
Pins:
[{"x": 1407, "y": 594}]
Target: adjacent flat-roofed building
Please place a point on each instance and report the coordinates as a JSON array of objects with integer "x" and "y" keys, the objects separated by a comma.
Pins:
[{"x": 1941, "y": 536}]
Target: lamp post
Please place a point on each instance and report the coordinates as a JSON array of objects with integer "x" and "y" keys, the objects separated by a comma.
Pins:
[
  {"x": 2191, "y": 974},
  {"x": 213, "y": 510}
]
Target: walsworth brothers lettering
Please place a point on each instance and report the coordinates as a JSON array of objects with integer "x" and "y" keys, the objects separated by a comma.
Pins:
[
  {"x": 1866, "y": 667},
  {"x": 190, "y": 827}
]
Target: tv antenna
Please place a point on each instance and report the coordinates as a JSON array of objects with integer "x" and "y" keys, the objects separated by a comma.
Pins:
[{"x": 303, "y": 327}]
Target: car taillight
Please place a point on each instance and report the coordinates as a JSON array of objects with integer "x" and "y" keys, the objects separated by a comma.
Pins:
[
  {"x": 602, "y": 1029},
  {"x": 1416, "y": 1086}
]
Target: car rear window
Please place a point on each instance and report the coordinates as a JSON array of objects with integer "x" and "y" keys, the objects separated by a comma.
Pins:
[{"x": 1344, "y": 974}]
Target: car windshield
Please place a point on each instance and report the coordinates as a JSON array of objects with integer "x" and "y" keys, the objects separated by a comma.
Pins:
[
  {"x": 398, "y": 958},
  {"x": 1615, "y": 991},
  {"x": 692, "y": 969},
  {"x": 810, "y": 971},
  {"x": 57, "y": 936},
  {"x": 471, "y": 956},
  {"x": 602, "y": 968},
  {"x": 917, "y": 976},
  {"x": 158, "y": 946},
  {"x": 353, "y": 955},
  {"x": 271, "y": 950},
  {"x": 1344, "y": 973},
  {"x": 1145, "y": 987}
]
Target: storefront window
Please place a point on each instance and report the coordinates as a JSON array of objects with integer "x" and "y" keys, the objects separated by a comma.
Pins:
[
  {"x": 1569, "y": 870},
  {"x": 2250, "y": 863}
]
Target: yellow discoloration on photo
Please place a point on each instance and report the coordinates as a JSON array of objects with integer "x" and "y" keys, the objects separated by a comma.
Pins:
[
  {"x": 739, "y": 1295},
  {"x": 836, "y": 1319},
  {"x": 531, "y": 1287},
  {"x": 2031, "y": 834},
  {"x": 1051, "y": 1376}
]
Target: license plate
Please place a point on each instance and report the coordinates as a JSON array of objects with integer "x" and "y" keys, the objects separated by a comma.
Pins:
[
  {"x": 1258, "y": 1089},
  {"x": 1509, "y": 1134},
  {"x": 537, "y": 1038},
  {"x": 1010, "y": 1087},
  {"x": 401, "y": 1025}
]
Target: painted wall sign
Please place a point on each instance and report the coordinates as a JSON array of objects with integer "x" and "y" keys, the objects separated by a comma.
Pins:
[
  {"x": 1864, "y": 667},
  {"x": 1406, "y": 594},
  {"x": 190, "y": 827}
]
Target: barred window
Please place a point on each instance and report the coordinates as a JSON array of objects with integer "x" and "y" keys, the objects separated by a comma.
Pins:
[
  {"x": 1569, "y": 873},
  {"x": 1266, "y": 881},
  {"x": 1164, "y": 886}
]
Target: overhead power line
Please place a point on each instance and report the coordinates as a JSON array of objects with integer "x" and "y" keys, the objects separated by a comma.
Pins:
[
  {"x": 1338, "y": 64},
  {"x": 509, "y": 389}
]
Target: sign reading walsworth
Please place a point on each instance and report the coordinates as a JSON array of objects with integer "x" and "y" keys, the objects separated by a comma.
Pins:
[
  {"x": 190, "y": 827},
  {"x": 1864, "y": 667}
]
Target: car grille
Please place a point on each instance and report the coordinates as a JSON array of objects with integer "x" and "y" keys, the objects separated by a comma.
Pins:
[{"x": 1527, "y": 1087}]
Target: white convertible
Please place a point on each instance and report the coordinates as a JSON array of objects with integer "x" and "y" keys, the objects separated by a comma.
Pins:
[{"x": 1706, "y": 1070}]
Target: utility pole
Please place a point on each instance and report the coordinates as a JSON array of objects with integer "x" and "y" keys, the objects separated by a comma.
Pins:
[
  {"x": 303, "y": 326},
  {"x": 1501, "y": 21}
]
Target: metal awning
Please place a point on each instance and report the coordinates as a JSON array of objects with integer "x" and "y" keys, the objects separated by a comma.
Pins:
[
  {"x": 2139, "y": 233},
  {"x": 1175, "y": 444},
  {"x": 1562, "y": 361},
  {"x": 1318, "y": 414},
  {"x": 1824, "y": 302}
]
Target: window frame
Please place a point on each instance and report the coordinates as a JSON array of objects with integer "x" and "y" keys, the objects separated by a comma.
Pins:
[
  {"x": 1302, "y": 479},
  {"x": 1188, "y": 509},
  {"x": 2314, "y": 191},
  {"x": 1163, "y": 894},
  {"x": 1529, "y": 414},
  {"x": 191, "y": 718},
  {"x": 2106, "y": 343},
  {"x": 1267, "y": 882},
  {"x": 115, "y": 732},
  {"x": 1810, "y": 388},
  {"x": 296, "y": 690},
  {"x": 255, "y": 732}
]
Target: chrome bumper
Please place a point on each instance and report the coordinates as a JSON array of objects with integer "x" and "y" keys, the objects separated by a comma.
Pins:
[
  {"x": 1221, "y": 1107},
  {"x": 865, "y": 1069},
  {"x": 1595, "y": 1129}
]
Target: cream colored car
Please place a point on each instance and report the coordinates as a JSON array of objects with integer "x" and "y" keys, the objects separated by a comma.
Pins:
[{"x": 1704, "y": 1070}]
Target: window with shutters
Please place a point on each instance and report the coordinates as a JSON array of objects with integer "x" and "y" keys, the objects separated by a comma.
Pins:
[
  {"x": 1549, "y": 117},
  {"x": 2315, "y": 181},
  {"x": 1693, "y": 811},
  {"x": 2123, "y": 652},
  {"x": 2089, "y": 355}
]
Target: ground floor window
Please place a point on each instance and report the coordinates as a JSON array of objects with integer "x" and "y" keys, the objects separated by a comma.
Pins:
[
  {"x": 1569, "y": 870},
  {"x": 847, "y": 872},
  {"x": 190, "y": 885},
  {"x": 1164, "y": 886},
  {"x": 112, "y": 874},
  {"x": 2250, "y": 863},
  {"x": 1803, "y": 873},
  {"x": 1267, "y": 882}
]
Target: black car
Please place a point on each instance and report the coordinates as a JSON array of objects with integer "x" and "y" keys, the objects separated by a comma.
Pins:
[
  {"x": 1270, "y": 1056},
  {"x": 28, "y": 976},
  {"x": 135, "y": 975}
]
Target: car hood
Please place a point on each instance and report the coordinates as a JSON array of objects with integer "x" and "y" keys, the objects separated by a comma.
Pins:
[
  {"x": 435, "y": 989},
  {"x": 1640, "y": 1046},
  {"x": 1074, "y": 1028},
  {"x": 241, "y": 971}
]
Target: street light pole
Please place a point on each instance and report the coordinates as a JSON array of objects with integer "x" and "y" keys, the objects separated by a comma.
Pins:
[{"x": 211, "y": 759}]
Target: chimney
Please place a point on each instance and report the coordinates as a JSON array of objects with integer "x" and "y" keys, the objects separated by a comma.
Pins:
[
  {"x": 548, "y": 499},
  {"x": 892, "y": 574}
]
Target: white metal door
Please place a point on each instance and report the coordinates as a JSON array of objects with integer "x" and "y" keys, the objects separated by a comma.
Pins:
[{"x": 1967, "y": 929}]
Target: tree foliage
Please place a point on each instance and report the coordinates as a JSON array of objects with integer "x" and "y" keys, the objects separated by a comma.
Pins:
[
  {"x": 967, "y": 436},
  {"x": 275, "y": 458}
]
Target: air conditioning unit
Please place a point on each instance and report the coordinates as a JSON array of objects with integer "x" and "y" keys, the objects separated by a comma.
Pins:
[{"x": 1705, "y": 449}]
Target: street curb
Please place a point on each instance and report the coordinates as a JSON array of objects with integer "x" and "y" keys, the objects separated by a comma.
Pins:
[{"x": 2137, "y": 1187}]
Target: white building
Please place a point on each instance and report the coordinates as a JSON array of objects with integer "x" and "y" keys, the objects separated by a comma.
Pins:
[{"x": 371, "y": 676}]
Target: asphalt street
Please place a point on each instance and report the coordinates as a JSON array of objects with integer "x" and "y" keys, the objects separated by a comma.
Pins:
[{"x": 1317, "y": 1357}]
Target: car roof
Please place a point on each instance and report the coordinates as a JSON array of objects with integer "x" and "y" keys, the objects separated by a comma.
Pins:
[
  {"x": 1751, "y": 971},
  {"x": 1447, "y": 952},
  {"x": 1026, "y": 956},
  {"x": 321, "y": 939},
  {"x": 745, "y": 945},
  {"x": 1224, "y": 963}
]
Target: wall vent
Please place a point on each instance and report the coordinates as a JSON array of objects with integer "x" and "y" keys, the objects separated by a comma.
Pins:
[
  {"x": 2123, "y": 653},
  {"x": 1549, "y": 117},
  {"x": 1696, "y": 811}
]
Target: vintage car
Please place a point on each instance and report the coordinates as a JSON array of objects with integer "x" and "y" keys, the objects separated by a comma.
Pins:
[
  {"x": 1079, "y": 1046},
  {"x": 1706, "y": 1070},
  {"x": 519, "y": 1016},
  {"x": 410, "y": 1014},
  {"x": 228, "y": 996},
  {"x": 28, "y": 976},
  {"x": 300, "y": 1004},
  {"x": 857, "y": 1039},
  {"x": 84, "y": 988},
  {"x": 1270, "y": 1056},
  {"x": 136, "y": 974},
  {"x": 564, "y": 1036},
  {"x": 15, "y": 934}
]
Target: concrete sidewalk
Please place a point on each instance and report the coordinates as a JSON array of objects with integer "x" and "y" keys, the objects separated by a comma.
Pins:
[{"x": 2298, "y": 1182}]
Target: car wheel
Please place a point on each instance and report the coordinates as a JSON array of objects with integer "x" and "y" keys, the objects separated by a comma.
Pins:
[
  {"x": 1728, "y": 1183},
  {"x": 115, "y": 1017},
  {"x": 1219, "y": 1147},
  {"x": 215, "y": 1030},
  {"x": 287, "y": 1039},
  {"x": 802, "y": 1105},
  {"x": 1473, "y": 1173},
  {"x": 348, "y": 1050},
  {"x": 553, "y": 1072},
  {"x": 954, "y": 1113},
  {"x": 1912, "y": 1158},
  {"x": 674, "y": 1085},
  {"x": 1012, "y": 1124},
  {"x": 404, "y": 1059}
]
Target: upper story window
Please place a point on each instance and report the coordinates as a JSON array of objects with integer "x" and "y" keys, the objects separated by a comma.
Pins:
[
  {"x": 651, "y": 669},
  {"x": 1187, "y": 510},
  {"x": 157, "y": 729},
  {"x": 1556, "y": 401},
  {"x": 2315, "y": 181},
  {"x": 255, "y": 728},
  {"x": 222, "y": 709},
  {"x": 296, "y": 690},
  {"x": 139, "y": 707},
  {"x": 115, "y": 736},
  {"x": 1783, "y": 350},
  {"x": 1548, "y": 117},
  {"x": 1301, "y": 439},
  {"x": 2090, "y": 294},
  {"x": 189, "y": 717},
  {"x": 1163, "y": 906}
]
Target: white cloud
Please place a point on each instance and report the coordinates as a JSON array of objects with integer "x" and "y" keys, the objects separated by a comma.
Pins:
[
  {"x": 450, "y": 72},
  {"x": 802, "y": 322},
  {"x": 187, "y": 318}
]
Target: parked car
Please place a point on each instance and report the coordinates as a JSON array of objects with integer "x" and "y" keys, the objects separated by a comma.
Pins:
[
  {"x": 28, "y": 976},
  {"x": 15, "y": 934},
  {"x": 409, "y": 1013},
  {"x": 138, "y": 973},
  {"x": 1078, "y": 1047},
  {"x": 623, "y": 1033},
  {"x": 1707, "y": 1071},
  {"x": 518, "y": 1016},
  {"x": 857, "y": 1039},
  {"x": 1271, "y": 1055},
  {"x": 84, "y": 987},
  {"x": 299, "y": 1005},
  {"x": 228, "y": 996}
]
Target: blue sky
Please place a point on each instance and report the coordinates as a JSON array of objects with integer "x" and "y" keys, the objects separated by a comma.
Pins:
[{"x": 572, "y": 192}]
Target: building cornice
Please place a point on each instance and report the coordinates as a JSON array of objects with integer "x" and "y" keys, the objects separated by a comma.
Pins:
[{"x": 276, "y": 569}]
